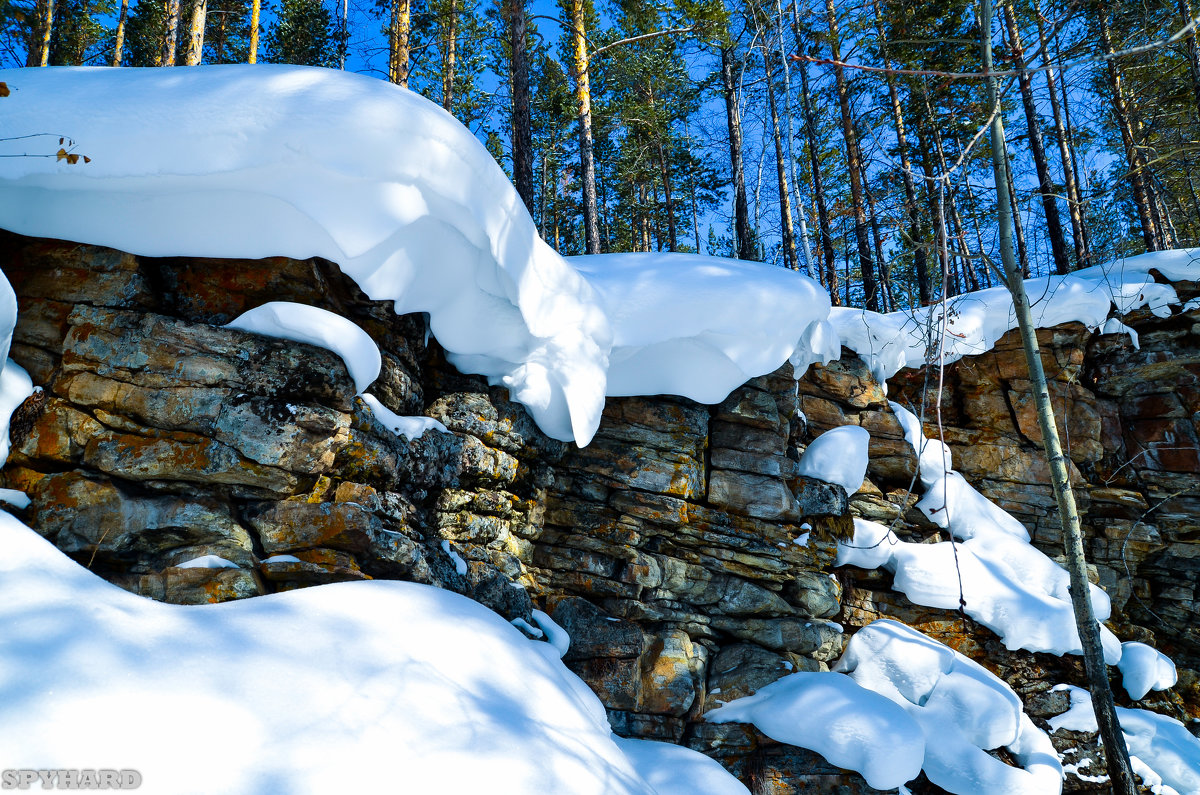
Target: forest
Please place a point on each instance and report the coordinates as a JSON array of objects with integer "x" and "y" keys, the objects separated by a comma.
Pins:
[{"x": 842, "y": 139}]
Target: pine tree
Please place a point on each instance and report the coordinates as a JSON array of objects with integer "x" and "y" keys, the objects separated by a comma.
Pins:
[{"x": 303, "y": 33}]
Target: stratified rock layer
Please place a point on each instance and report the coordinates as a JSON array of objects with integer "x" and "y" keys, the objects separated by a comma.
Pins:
[{"x": 687, "y": 558}]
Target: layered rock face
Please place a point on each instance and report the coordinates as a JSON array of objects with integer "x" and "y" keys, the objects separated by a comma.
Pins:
[{"x": 689, "y": 561}]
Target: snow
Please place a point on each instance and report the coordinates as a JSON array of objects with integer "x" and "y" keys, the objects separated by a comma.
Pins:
[
  {"x": 1144, "y": 668},
  {"x": 838, "y": 456},
  {"x": 207, "y": 562},
  {"x": 556, "y": 636},
  {"x": 971, "y": 323},
  {"x": 303, "y": 323},
  {"x": 324, "y": 689},
  {"x": 17, "y": 499},
  {"x": 410, "y": 427},
  {"x": 675, "y": 770},
  {"x": 282, "y": 559},
  {"x": 236, "y": 161},
  {"x": 1163, "y": 752},
  {"x": 851, "y": 726},
  {"x": 460, "y": 565},
  {"x": 1007, "y": 585},
  {"x": 961, "y": 708},
  {"x": 685, "y": 324}
]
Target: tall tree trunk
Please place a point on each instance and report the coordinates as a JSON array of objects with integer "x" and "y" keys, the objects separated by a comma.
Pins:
[
  {"x": 1193, "y": 51},
  {"x": 1078, "y": 234},
  {"x": 119, "y": 38},
  {"x": 791, "y": 159},
  {"x": 1119, "y": 770},
  {"x": 1141, "y": 196},
  {"x": 818, "y": 181},
  {"x": 39, "y": 34},
  {"x": 522, "y": 119},
  {"x": 1058, "y": 244},
  {"x": 583, "y": 100},
  {"x": 665, "y": 167},
  {"x": 1018, "y": 227},
  {"x": 398, "y": 42},
  {"x": 344, "y": 34},
  {"x": 853, "y": 160},
  {"x": 785, "y": 200},
  {"x": 195, "y": 43},
  {"x": 920, "y": 262},
  {"x": 937, "y": 202},
  {"x": 167, "y": 56},
  {"x": 741, "y": 211},
  {"x": 449, "y": 57},
  {"x": 255, "y": 13},
  {"x": 889, "y": 299}
]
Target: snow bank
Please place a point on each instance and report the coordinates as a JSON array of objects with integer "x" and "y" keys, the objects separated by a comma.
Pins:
[
  {"x": 1144, "y": 668},
  {"x": 237, "y": 161},
  {"x": 685, "y": 324},
  {"x": 1164, "y": 753},
  {"x": 326, "y": 689},
  {"x": 410, "y": 427},
  {"x": 303, "y": 323},
  {"x": 971, "y": 323},
  {"x": 1007, "y": 584},
  {"x": 961, "y": 708},
  {"x": 851, "y": 726},
  {"x": 675, "y": 770},
  {"x": 838, "y": 456}
]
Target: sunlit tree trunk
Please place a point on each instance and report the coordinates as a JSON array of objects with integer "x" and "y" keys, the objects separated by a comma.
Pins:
[
  {"x": 167, "y": 56},
  {"x": 1142, "y": 198},
  {"x": 583, "y": 100},
  {"x": 39, "y": 34},
  {"x": 829, "y": 260},
  {"x": 1117, "y": 755},
  {"x": 1058, "y": 244},
  {"x": 785, "y": 200},
  {"x": 853, "y": 159},
  {"x": 119, "y": 35},
  {"x": 255, "y": 13},
  {"x": 449, "y": 57},
  {"x": 398, "y": 46},
  {"x": 1074, "y": 207},
  {"x": 195, "y": 43},
  {"x": 741, "y": 210}
]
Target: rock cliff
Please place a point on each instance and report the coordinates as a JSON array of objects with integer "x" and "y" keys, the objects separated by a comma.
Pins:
[{"x": 689, "y": 561}]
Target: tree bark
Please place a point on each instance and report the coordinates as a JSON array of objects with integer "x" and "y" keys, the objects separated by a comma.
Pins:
[
  {"x": 522, "y": 123},
  {"x": 583, "y": 100},
  {"x": 888, "y": 301},
  {"x": 1074, "y": 207},
  {"x": 195, "y": 43},
  {"x": 741, "y": 210},
  {"x": 448, "y": 64},
  {"x": 119, "y": 37},
  {"x": 920, "y": 260},
  {"x": 255, "y": 13},
  {"x": 1193, "y": 51},
  {"x": 39, "y": 34},
  {"x": 1117, "y": 755},
  {"x": 1058, "y": 244},
  {"x": 665, "y": 166},
  {"x": 818, "y": 181},
  {"x": 1141, "y": 196},
  {"x": 167, "y": 57},
  {"x": 785, "y": 200},
  {"x": 1018, "y": 227},
  {"x": 398, "y": 44},
  {"x": 853, "y": 160}
]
